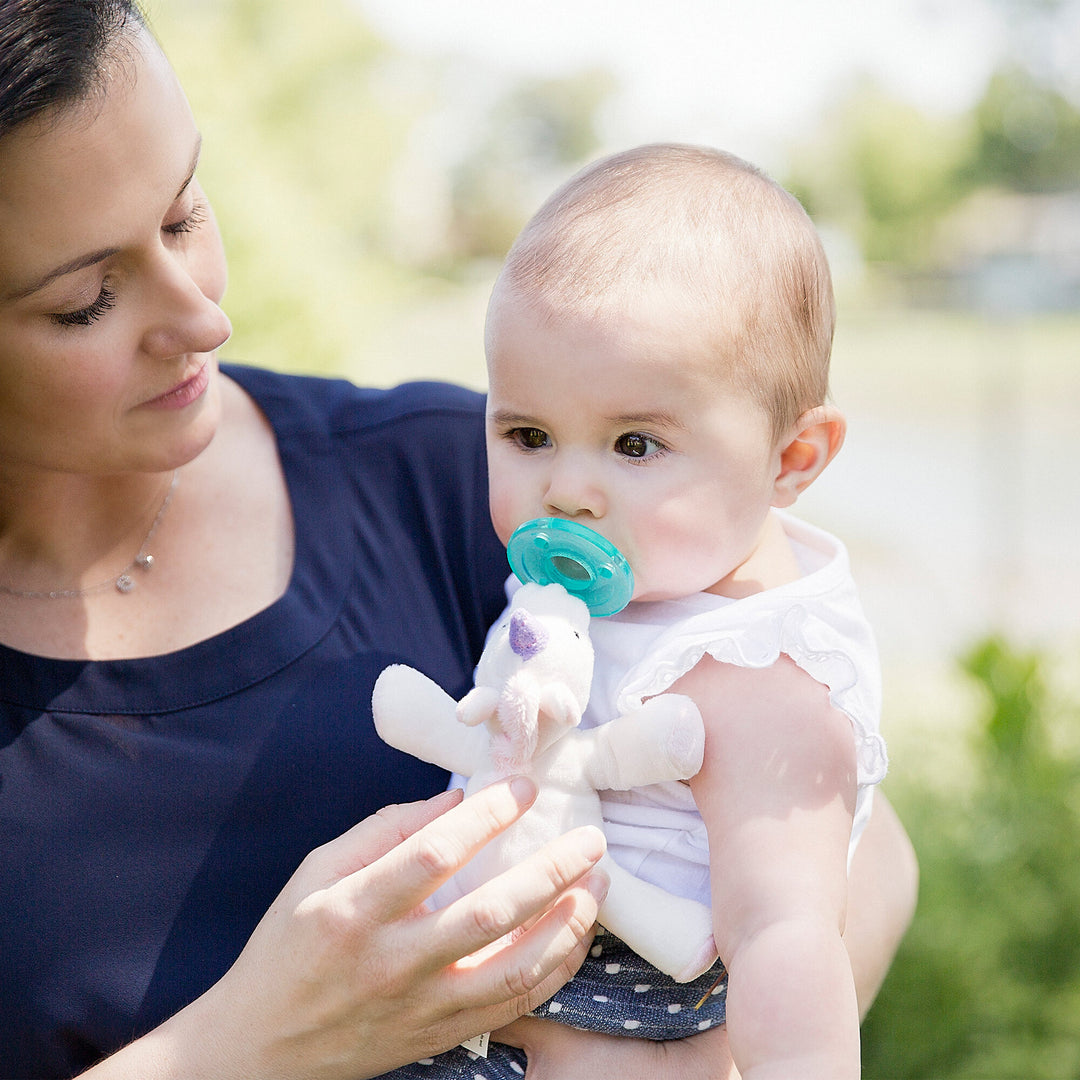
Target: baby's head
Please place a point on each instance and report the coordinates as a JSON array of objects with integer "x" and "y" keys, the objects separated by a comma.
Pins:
[
  {"x": 731, "y": 251},
  {"x": 658, "y": 349}
]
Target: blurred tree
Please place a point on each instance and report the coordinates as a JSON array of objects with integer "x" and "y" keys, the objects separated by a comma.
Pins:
[
  {"x": 344, "y": 191},
  {"x": 887, "y": 173},
  {"x": 1027, "y": 136},
  {"x": 883, "y": 171},
  {"x": 987, "y": 983},
  {"x": 298, "y": 146},
  {"x": 533, "y": 137}
]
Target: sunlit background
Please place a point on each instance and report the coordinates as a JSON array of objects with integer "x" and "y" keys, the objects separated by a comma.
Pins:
[{"x": 371, "y": 161}]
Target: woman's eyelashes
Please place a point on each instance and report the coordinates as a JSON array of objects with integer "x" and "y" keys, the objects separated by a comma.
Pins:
[
  {"x": 106, "y": 300},
  {"x": 195, "y": 217}
]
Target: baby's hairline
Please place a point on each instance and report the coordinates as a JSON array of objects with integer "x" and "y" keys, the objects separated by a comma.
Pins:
[{"x": 734, "y": 249}]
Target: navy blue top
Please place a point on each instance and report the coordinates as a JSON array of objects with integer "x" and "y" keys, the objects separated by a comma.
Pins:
[{"x": 151, "y": 809}]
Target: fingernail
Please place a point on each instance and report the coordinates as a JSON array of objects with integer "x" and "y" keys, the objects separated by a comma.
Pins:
[
  {"x": 523, "y": 789},
  {"x": 594, "y": 842},
  {"x": 598, "y": 884}
]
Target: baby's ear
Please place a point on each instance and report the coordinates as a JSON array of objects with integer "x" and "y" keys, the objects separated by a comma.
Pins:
[{"x": 811, "y": 444}]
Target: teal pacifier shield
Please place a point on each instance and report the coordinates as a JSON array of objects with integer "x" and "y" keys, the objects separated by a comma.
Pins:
[{"x": 551, "y": 551}]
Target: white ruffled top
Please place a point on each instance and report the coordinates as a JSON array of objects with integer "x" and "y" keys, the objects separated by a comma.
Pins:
[{"x": 656, "y": 831}]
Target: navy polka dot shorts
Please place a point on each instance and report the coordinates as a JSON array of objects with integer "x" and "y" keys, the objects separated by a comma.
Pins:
[{"x": 614, "y": 992}]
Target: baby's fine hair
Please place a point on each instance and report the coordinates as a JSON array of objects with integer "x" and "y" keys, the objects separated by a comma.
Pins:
[{"x": 707, "y": 230}]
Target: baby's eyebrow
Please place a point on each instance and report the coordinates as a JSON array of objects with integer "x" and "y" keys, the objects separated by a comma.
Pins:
[
  {"x": 506, "y": 418},
  {"x": 653, "y": 418}
]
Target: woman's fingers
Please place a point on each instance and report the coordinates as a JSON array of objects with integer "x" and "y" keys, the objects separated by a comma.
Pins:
[
  {"x": 348, "y": 975},
  {"x": 518, "y": 895},
  {"x": 408, "y": 874},
  {"x": 369, "y": 840},
  {"x": 531, "y": 965}
]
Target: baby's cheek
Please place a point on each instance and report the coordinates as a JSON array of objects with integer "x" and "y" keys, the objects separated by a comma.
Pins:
[{"x": 503, "y": 512}]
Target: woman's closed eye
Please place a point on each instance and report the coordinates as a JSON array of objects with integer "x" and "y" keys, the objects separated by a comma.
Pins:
[
  {"x": 194, "y": 218},
  {"x": 106, "y": 300}
]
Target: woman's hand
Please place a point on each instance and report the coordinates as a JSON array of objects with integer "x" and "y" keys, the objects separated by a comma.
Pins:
[
  {"x": 559, "y": 1052},
  {"x": 350, "y": 975}
]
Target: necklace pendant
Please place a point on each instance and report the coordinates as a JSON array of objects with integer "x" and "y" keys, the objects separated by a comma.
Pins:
[
  {"x": 125, "y": 583},
  {"x": 144, "y": 560}
]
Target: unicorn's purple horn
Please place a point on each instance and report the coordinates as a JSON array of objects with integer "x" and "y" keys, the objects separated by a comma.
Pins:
[{"x": 527, "y": 636}]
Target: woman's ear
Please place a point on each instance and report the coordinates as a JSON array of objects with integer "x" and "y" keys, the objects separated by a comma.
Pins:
[{"x": 812, "y": 443}]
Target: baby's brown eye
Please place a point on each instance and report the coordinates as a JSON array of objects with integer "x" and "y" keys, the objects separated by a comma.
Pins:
[
  {"x": 532, "y": 438},
  {"x": 633, "y": 445}
]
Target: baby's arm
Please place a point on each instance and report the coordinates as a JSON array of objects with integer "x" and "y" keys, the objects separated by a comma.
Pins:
[{"x": 777, "y": 793}]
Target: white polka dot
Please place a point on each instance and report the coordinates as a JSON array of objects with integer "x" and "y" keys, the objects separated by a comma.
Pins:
[
  {"x": 596, "y": 950},
  {"x": 473, "y": 1055},
  {"x": 718, "y": 989},
  {"x": 704, "y": 1025},
  {"x": 426, "y": 1061},
  {"x": 631, "y": 1025},
  {"x": 613, "y": 969},
  {"x": 517, "y": 1068},
  {"x": 642, "y": 988},
  {"x": 601, "y": 998},
  {"x": 477, "y": 1076},
  {"x": 600, "y": 932},
  {"x": 674, "y": 1008},
  {"x": 554, "y": 1006}
]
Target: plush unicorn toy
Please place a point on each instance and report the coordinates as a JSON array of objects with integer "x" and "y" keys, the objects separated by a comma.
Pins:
[{"x": 521, "y": 717}]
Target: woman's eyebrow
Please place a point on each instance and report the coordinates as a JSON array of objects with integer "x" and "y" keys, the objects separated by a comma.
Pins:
[
  {"x": 79, "y": 263},
  {"x": 94, "y": 257}
]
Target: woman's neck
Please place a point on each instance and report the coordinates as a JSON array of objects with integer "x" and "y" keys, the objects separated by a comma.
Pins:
[{"x": 61, "y": 532}]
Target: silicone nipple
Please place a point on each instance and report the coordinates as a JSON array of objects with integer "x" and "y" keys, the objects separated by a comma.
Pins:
[{"x": 551, "y": 551}]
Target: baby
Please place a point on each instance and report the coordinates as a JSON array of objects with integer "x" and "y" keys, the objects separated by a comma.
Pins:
[{"x": 658, "y": 347}]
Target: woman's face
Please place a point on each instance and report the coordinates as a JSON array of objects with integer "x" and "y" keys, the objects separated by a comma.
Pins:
[{"x": 111, "y": 271}]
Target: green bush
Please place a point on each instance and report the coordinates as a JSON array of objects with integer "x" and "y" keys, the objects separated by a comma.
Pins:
[{"x": 987, "y": 982}]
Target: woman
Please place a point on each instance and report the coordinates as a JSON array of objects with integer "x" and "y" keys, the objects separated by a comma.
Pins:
[{"x": 201, "y": 573}]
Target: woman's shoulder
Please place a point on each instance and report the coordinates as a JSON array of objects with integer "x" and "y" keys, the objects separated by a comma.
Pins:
[{"x": 341, "y": 407}]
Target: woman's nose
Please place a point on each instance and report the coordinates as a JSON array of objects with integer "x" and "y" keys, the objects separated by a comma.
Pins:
[{"x": 183, "y": 318}]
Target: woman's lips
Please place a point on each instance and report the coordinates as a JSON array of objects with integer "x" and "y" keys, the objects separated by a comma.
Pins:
[{"x": 183, "y": 394}]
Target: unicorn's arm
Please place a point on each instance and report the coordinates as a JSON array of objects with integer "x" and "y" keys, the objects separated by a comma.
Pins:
[
  {"x": 664, "y": 739},
  {"x": 414, "y": 714}
]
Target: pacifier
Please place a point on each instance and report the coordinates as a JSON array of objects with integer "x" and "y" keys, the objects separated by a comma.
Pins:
[{"x": 552, "y": 551}]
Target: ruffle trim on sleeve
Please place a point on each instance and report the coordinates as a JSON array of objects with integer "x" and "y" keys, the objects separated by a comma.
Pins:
[{"x": 793, "y": 631}]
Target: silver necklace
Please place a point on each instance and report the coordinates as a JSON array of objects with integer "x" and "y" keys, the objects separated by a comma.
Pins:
[{"x": 123, "y": 582}]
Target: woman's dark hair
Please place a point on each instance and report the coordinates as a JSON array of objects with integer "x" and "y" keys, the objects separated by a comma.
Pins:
[{"x": 52, "y": 52}]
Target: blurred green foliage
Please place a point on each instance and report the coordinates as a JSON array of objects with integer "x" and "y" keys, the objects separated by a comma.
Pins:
[
  {"x": 1027, "y": 136},
  {"x": 297, "y": 150},
  {"x": 541, "y": 128},
  {"x": 336, "y": 213},
  {"x": 888, "y": 173},
  {"x": 883, "y": 171},
  {"x": 987, "y": 982}
]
